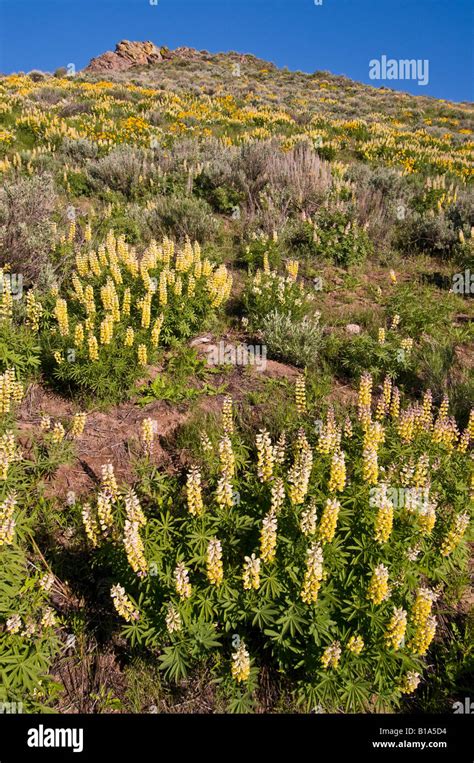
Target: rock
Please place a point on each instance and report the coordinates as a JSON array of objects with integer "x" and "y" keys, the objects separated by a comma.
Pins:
[
  {"x": 200, "y": 340},
  {"x": 353, "y": 328},
  {"x": 126, "y": 55}
]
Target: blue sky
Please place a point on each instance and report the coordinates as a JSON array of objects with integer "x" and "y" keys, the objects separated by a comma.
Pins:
[{"x": 340, "y": 36}]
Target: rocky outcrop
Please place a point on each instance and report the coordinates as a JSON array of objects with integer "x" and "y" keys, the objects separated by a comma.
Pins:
[{"x": 127, "y": 55}]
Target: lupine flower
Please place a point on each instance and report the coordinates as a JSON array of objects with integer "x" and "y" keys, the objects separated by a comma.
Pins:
[
  {"x": 370, "y": 469},
  {"x": 337, "y": 479},
  {"x": 194, "y": 492},
  {"x": 355, "y": 644},
  {"x": 123, "y": 604},
  {"x": 181, "y": 581},
  {"x": 78, "y": 424},
  {"x": 423, "y": 636},
  {"x": 9, "y": 453},
  {"x": 365, "y": 397},
  {"x": 395, "y": 403},
  {"x": 455, "y": 534},
  {"x": 147, "y": 431},
  {"x": 227, "y": 418},
  {"x": 93, "y": 347},
  {"x": 226, "y": 457},
  {"x": 292, "y": 267},
  {"x": 224, "y": 492},
  {"x": 277, "y": 495},
  {"x": 134, "y": 548},
  {"x": 46, "y": 581},
  {"x": 14, "y": 624},
  {"x": 300, "y": 394},
  {"x": 173, "y": 619},
  {"x": 279, "y": 451},
  {"x": 329, "y": 435},
  {"x": 108, "y": 481},
  {"x": 48, "y": 619},
  {"x": 300, "y": 472},
  {"x": 427, "y": 517},
  {"x": 378, "y": 589},
  {"x": 251, "y": 573},
  {"x": 215, "y": 570},
  {"x": 331, "y": 655},
  {"x": 58, "y": 433},
  {"x": 308, "y": 519},
  {"x": 142, "y": 354},
  {"x": 265, "y": 457},
  {"x": 133, "y": 509},
  {"x": 424, "y": 622},
  {"x": 7, "y": 520},
  {"x": 240, "y": 668},
  {"x": 328, "y": 524},
  {"x": 90, "y": 525},
  {"x": 34, "y": 311},
  {"x": 60, "y": 313},
  {"x": 268, "y": 537},
  {"x": 410, "y": 682},
  {"x": 395, "y": 633},
  {"x": 313, "y": 574},
  {"x": 206, "y": 444}
]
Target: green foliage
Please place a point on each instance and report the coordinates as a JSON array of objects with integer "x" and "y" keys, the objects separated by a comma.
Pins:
[
  {"x": 296, "y": 342},
  {"x": 278, "y": 627},
  {"x": 340, "y": 239},
  {"x": 185, "y": 379},
  {"x": 268, "y": 291},
  {"x": 350, "y": 356},
  {"x": 30, "y": 637},
  {"x": 127, "y": 312},
  {"x": 19, "y": 348}
]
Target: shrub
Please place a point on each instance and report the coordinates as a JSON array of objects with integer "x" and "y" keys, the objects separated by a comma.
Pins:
[
  {"x": 30, "y": 632},
  {"x": 99, "y": 334},
  {"x": 36, "y": 75},
  {"x": 301, "y": 175},
  {"x": 299, "y": 239},
  {"x": 310, "y": 566},
  {"x": 19, "y": 348},
  {"x": 421, "y": 233},
  {"x": 350, "y": 356},
  {"x": 296, "y": 342},
  {"x": 124, "y": 169},
  {"x": 79, "y": 149},
  {"x": 26, "y": 206},
  {"x": 340, "y": 239},
  {"x": 182, "y": 217},
  {"x": 267, "y": 291}
]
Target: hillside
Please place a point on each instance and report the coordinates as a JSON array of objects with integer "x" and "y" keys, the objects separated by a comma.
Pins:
[{"x": 236, "y": 388}]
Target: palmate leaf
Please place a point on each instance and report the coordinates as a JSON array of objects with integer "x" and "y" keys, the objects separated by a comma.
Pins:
[
  {"x": 264, "y": 615},
  {"x": 356, "y": 696},
  {"x": 175, "y": 662},
  {"x": 204, "y": 635},
  {"x": 293, "y": 621},
  {"x": 270, "y": 586}
]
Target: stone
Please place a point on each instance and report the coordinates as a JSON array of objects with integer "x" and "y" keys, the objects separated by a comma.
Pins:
[{"x": 353, "y": 328}]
